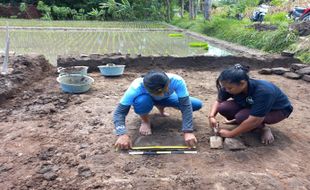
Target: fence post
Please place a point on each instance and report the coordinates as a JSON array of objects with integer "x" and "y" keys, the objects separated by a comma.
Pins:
[{"x": 6, "y": 52}]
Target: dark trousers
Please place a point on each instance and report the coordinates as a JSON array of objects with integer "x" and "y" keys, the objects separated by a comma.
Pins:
[{"x": 232, "y": 110}]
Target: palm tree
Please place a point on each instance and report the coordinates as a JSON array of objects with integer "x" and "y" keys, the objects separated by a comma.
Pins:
[
  {"x": 168, "y": 11},
  {"x": 208, "y": 4},
  {"x": 182, "y": 9}
]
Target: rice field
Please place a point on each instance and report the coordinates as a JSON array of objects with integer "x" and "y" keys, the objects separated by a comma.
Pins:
[
  {"x": 80, "y": 24},
  {"x": 52, "y": 43}
]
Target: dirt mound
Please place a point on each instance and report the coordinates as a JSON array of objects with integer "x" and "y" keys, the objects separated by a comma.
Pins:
[
  {"x": 24, "y": 70},
  {"x": 263, "y": 27},
  {"x": 303, "y": 28}
]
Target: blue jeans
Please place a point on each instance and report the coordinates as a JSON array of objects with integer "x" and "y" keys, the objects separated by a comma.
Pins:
[{"x": 144, "y": 103}]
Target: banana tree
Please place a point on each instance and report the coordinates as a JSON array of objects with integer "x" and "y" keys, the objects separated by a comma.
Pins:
[{"x": 118, "y": 10}]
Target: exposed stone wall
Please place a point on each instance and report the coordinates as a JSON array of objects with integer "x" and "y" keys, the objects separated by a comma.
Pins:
[
  {"x": 166, "y": 62},
  {"x": 296, "y": 71}
]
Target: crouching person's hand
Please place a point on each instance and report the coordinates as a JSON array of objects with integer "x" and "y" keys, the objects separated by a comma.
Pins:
[
  {"x": 190, "y": 139},
  {"x": 123, "y": 142}
]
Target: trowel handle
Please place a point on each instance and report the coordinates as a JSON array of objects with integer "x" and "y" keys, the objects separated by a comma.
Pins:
[{"x": 217, "y": 128}]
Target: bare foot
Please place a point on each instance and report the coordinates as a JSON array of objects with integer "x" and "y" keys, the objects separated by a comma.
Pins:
[
  {"x": 162, "y": 111},
  {"x": 145, "y": 128},
  {"x": 266, "y": 135}
]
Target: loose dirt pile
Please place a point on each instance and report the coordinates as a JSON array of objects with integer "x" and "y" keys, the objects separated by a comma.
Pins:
[
  {"x": 22, "y": 72},
  {"x": 263, "y": 27},
  {"x": 303, "y": 28}
]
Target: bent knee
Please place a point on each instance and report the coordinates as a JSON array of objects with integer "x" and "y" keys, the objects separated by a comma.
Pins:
[
  {"x": 143, "y": 104},
  {"x": 197, "y": 105}
]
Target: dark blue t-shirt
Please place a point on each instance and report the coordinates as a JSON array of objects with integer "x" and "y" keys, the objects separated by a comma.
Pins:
[{"x": 262, "y": 97}]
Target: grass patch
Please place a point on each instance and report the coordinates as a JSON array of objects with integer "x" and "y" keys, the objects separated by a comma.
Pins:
[
  {"x": 279, "y": 19},
  {"x": 239, "y": 32},
  {"x": 304, "y": 56},
  {"x": 176, "y": 35},
  {"x": 204, "y": 45}
]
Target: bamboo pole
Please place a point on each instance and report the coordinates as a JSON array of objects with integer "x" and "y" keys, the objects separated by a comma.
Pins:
[{"x": 6, "y": 50}]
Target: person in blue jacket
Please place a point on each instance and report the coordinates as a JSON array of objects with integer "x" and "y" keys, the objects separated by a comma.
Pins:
[
  {"x": 158, "y": 89},
  {"x": 248, "y": 103}
]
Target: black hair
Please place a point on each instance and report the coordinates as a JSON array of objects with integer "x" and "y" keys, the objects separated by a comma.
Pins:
[
  {"x": 154, "y": 81},
  {"x": 234, "y": 74}
]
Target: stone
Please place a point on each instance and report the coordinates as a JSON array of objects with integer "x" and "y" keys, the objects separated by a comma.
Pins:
[
  {"x": 292, "y": 75},
  {"x": 279, "y": 70},
  {"x": 287, "y": 53},
  {"x": 63, "y": 101},
  {"x": 47, "y": 154},
  {"x": 5, "y": 168},
  {"x": 216, "y": 142},
  {"x": 83, "y": 156},
  {"x": 50, "y": 176},
  {"x": 84, "y": 145},
  {"x": 297, "y": 66},
  {"x": 233, "y": 144},
  {"x": 88, "y": 111},
  {"x": 159, "y": 139},
  {"x": 265, "y": 71},
  {"x": 306, "y": 78},
  {"x": 304, "y": 71},
  {"x": 85, "y": 172},
  {"x": 83, "y": 55},
  {"x": 25, "y": 97},
  {"x": 45, "y": 168}
]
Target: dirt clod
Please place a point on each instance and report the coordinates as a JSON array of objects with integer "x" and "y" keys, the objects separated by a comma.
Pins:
[{"x": 85, "y": 172}]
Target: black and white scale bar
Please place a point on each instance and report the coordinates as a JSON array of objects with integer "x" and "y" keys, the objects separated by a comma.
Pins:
[{"x": 163, "y": 152}]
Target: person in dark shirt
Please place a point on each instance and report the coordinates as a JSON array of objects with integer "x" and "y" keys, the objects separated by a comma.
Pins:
[
  {"x": 158, "y": 89},
  {"x": 248, "y": 103}
]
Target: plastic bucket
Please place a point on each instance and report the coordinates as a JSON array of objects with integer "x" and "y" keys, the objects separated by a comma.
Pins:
[
  {"x": 82, "y": 70},
  {"x": 75, "y": 83},
  {"x": 111, "y": 70}
]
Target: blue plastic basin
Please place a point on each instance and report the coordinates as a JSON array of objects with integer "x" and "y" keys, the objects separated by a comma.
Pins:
[
  {"x": 75, "y": 83},
  {"x": 111, "y": 70}
]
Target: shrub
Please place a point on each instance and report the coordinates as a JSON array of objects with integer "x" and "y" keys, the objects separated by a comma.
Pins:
[
  {"x": 95, "y": 14},
  {"x": 78, "y": 15},
  {"x": 61, "y": 13},
  {"x": 22, "y": 7},
  {"x": 45, "y": 10}
]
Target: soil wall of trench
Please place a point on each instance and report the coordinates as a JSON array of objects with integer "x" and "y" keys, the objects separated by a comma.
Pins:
[{"x": 138, "y": 62}]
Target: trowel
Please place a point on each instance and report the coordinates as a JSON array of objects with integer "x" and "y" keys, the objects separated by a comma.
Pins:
[{"x": 216, "y": 141}]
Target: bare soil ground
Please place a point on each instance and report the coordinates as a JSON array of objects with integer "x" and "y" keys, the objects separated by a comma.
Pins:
[{"x": 53, "y": 140}]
